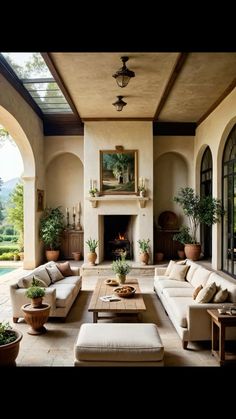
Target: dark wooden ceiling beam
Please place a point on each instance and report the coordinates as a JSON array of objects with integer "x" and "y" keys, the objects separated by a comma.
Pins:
[
  {"x": 174, "y": 128},
  {"x": 8, "y": 73},
  {"x": 57, "y": 76},
  {"x": 174, "y": 74},
  {"x": 217, "y": 102}
]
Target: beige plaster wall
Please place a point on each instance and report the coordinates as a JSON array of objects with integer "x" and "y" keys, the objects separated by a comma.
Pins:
[
  {"x": 105, "y": 136},
  {"x": 213, "y": 132},
  {"x": 65, "y": 184},
  {"x": 173, "y": 158},
  {"x": 26, "y": 129}
]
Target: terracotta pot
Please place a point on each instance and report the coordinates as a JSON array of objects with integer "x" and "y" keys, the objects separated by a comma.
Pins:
[
  {"x": 92, "y": 256},
  {"x": 52, "y": 255},
  {"x": 76, "y": 255},
  {"x": 144, "y": 258},
  {"x": 36, "y": 302},
  {"x": 36, "y": 317},
  {"x": 9, "y": 352},
  {"x": 192, "y": 251},
  {"x": 181, "y": 254}
]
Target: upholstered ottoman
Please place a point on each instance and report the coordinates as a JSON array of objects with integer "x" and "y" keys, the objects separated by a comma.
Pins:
[{"x": 119, "y": 344}]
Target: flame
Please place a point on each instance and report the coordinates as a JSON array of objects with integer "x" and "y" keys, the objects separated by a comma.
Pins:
[{"x": 121, "y": 236}]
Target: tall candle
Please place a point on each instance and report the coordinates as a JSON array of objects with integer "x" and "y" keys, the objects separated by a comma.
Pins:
[
  {"x": 67, "y": 210},
  {"x": 90, "y": 183},
  {"x": 74, "y": 210},
  {"x": 78, "y": 208}
]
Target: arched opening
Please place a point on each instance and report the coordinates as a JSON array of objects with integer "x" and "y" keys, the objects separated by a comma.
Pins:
[
  {"x": 170, "y": 174},
  {"x": 229, "y": 201},
  {"x": 206, "y": 190},
  {"x": 65, "y": 184},
  {"x": 16, "y": 132}
]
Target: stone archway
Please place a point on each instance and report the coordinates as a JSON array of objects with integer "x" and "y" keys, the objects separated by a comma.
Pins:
[{"x": 14, "y": 128}]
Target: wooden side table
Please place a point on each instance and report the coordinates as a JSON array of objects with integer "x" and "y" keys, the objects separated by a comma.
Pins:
[
  {"x": 219, "y": 323},
  {"x": 36, "y": 317}
]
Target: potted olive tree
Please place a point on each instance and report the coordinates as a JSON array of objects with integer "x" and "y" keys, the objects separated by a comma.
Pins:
[
  {"x": 9, "y": 344},
  {"x": 51, "y": 228},
  {"x": 199, "y": 210}
]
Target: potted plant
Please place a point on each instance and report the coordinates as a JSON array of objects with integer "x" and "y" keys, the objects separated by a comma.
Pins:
[
  {"x": 121, "y": 269},
  {"x": 36, "y": 293},
  {"x": 183, "y": 237},
  {"x": 142, "y": 191},
  {"x": 143, "y": 249},
  {"x": 92, "y": 255},
  {"x": 199, "y": 210},
  {"x": 9, "y": 344},
  {"x": 51, "y": 228}
]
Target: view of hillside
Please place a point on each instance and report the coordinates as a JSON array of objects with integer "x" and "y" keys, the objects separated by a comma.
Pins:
[{"x": 7, "y": 188}]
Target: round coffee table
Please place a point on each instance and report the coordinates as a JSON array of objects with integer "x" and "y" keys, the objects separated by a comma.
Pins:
[{"x": 36, "y": 317}]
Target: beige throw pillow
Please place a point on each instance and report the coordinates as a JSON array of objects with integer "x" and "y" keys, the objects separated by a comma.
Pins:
[
  {"x": 206, "y": 294},
  {"x": 178, "y": 272},
  {"x": 171, "y": 265},
  {"x": 196, "y": 291},
  {"x": 220, "y": 296},
  {"x": 27, "y": 282},
  {"x": 54, "y": 273}
]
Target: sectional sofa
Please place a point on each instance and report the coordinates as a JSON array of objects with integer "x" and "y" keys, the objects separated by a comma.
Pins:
[
  {"x": 191, "y": 320},
  {"x": 59, "y": 293}
]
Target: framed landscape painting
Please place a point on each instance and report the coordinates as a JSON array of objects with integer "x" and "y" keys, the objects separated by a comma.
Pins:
[{"x": 118, "y": 172}]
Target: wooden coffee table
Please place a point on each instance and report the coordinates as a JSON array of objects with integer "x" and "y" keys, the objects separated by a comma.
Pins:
[{"x": 133, "y": 305}]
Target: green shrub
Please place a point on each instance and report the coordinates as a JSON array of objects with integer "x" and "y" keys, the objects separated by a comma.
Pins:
[
  {"x": 7, "y": 256},
  {"x": 144, "y": 245},
  {"x": 8, "y": 249},
  {"x": 8, "y": 238},
  {"x": 92, "y": 244},
  {"x": 35, "y": 291},
  {"x": 9, "y": 230},
  {"x": 6, "y": 334}
]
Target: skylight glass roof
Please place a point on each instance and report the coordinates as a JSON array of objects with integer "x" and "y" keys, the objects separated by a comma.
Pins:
[{"x": 35, "y": 76}]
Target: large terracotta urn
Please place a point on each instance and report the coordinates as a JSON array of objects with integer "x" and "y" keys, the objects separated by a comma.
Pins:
[
  {"x": 52, "y": 255},
  {"x": 192, "y": 251}
]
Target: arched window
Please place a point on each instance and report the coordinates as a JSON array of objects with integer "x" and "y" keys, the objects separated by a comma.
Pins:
[
  {"x": 206, "y": 189},
  {"x": 229, "y": 201}
]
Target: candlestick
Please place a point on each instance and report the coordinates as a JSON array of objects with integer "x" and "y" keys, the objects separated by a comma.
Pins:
[
  {"x": 73, "y": 210},
  {"x": 67, "y": 216},
  {"x": 73, "y": 221},
  {"x": 91, "y": 184}
]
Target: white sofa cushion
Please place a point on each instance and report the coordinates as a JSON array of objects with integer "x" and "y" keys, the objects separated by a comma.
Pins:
[
  {"x": 179, "y": 308},
  {"x": 27, "y": 282},
  {"x": 178, "y": 292},
  {"x": 63, "y": 293},
  {"x": 122, "y": 342},
  {"x": 171, "y": 283},
  {"x": 200, "y": 277},
  {"x": 192, "y": 269}
]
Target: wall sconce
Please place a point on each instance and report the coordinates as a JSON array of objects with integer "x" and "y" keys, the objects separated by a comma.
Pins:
[
  {"x": 123, "y": 75},
  {"x": 119, "y": 104}
]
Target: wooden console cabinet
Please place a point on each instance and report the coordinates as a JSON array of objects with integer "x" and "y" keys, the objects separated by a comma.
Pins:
[
  {"x": 72, "y": 241},
  {"x": 164, "y": 243}
]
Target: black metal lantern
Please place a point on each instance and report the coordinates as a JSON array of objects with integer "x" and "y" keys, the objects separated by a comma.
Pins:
[
  {"x": 123, "y": 75},
  {"x": 119, "y": 104}
]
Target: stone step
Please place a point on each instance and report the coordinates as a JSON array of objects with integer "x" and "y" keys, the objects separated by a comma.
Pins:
[{"x": 105, "y": 269}]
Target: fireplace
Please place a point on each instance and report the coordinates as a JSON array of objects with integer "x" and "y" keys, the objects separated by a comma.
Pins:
[{"x": 118, "y": 236}]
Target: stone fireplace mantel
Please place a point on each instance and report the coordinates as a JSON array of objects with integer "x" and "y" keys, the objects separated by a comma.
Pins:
[{"x": 94, "y": 201}]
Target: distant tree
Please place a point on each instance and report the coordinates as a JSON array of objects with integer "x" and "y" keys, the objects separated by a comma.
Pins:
[
  {"x": 1, "y": 207},
  {"x": 15, "y": 212}
]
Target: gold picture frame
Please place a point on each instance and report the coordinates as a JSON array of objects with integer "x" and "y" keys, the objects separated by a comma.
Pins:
[
  {"x": 40, "y": 200},
  {"x": 118, "y": 172}
]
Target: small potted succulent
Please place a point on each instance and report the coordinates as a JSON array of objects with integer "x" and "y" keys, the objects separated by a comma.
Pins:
[
  {"x": 142, "y": 191},
  {"x": 9, "y": 344}
]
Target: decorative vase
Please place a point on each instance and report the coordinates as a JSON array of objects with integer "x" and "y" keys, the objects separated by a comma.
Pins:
[
  {"x": 92, "y": 256},
  {"x": 76, "y": 255},
  {"x": 121, "y": 278},
  {"x": 52, "y": 255},
  {"x": 144, "y": 258},
  {"x": 192, "y": 251}
]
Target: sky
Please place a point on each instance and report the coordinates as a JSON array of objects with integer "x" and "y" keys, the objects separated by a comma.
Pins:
[{"x": 11, "y": 164}]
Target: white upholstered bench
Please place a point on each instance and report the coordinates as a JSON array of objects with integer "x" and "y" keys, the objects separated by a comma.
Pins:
[{"x": 119, "y": 344}]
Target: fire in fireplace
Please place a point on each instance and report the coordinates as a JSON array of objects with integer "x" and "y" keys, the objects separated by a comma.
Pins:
[{"x": 117, "y": 232}]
